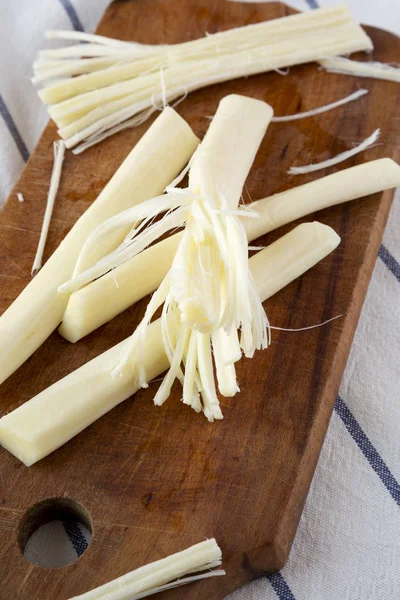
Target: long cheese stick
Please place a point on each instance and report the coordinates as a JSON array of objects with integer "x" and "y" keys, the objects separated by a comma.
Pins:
[
  {"x": 106, "y": 297},
  {"x": 152, "y": 164},
  {"x": 60, "y": 412},
  {"x": 343, "y": 186}
]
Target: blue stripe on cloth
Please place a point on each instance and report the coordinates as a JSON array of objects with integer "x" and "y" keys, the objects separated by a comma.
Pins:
[
  {"x": 280, "y": 586},
  {"x": 369, "y": 451},
  {"x": 312, "y": 3},
  {"x": 73, "y": 17},
  {"x": 75, "y": 536},
  {"x": 390, "y": 261},
  {"x": 12, "y": 128}
]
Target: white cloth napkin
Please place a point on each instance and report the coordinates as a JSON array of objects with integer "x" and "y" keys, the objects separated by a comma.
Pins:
[{"x": 348, "y": 543}]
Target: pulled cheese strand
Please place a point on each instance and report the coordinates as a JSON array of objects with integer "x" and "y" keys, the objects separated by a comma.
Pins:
[
  {"x": 376, "y": 70},
  {"x": 157, "y": 576},
  {"x": 134, "y": 242},
  {"x": 321, "y": 109},
  {"x": 59, "y": 150},
  {"x": 134, "y": 122},
  {"x": 337, "y": 159},
  {"x": 308, "y": 327},
  {"x": 50, "y": 419},
  {"x": 179, "y": 583}
]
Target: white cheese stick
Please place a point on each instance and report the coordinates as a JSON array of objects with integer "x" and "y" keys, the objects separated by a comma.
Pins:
[
  {"x": 290, "y": 256},
  {"x": 152, "y": 164},
  {"x": 343, "y": 186},
  {"x": 200, "y": 557},
  {"x": 60, "y": 412},
  {"x": 106, "y": 297}
]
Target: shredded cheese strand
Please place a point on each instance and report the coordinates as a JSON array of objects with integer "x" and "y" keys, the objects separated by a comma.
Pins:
[
  {"x": 226, "y": 374},
  {"x": 307, "y": 328},
  {"x": 20, "y": 197},
  {"x": 179, "y": 583},
  {"x": 336, "y": 159},
  {"x": 135, "y": 242},
  {"x": 99, "y": 137},
  {"x": 81, "y": 36},
  {"x": 59, "y": 151},
  {"x": 321, "y": 109},
  {"x": 376, "y": 70}
]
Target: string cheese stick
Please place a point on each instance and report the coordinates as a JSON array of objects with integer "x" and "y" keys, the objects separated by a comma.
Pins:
[
  {"x": 343, "y": 186},
  {"x": 139, "y": 583},
  {"x": 376, "y": 70},
  {"x": 102, "y": 300},
  {"x": 155, "y": 160},
  {"x": 66, "y": 408}
]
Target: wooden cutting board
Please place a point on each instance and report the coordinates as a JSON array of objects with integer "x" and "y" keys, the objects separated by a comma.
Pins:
[{"x": 156, "y": 480}]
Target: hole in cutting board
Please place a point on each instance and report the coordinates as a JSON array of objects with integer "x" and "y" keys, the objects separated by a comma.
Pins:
[{"x": 55, "y": 532}]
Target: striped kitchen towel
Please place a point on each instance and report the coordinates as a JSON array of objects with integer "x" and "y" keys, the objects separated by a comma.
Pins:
[{"x": 348, "y": 543}]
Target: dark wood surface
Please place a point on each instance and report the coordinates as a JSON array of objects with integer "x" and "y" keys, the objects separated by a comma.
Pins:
[{"x": 156, "y": 480}]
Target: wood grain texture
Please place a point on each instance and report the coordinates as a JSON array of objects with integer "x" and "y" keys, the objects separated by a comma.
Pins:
[{"x": 156, "y": 480}]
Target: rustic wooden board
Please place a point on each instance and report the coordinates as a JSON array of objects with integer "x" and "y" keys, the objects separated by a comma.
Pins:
[{"x": 156, "y": 480}]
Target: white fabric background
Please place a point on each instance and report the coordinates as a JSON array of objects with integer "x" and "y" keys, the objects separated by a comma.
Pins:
[{"x": 348, "y": 543}]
